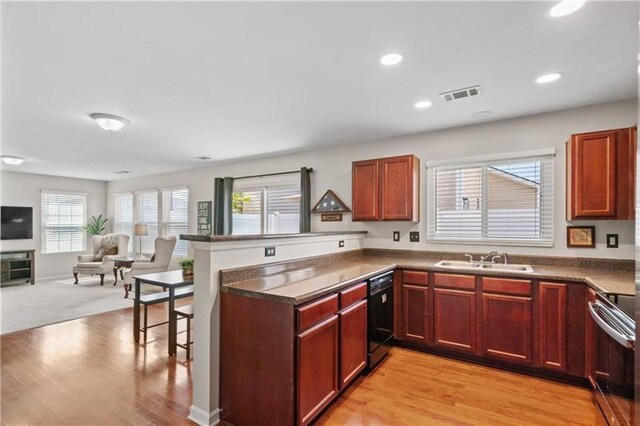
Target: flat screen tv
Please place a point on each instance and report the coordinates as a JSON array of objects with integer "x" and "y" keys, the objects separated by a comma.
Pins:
[{"x": 17, "y": 223}]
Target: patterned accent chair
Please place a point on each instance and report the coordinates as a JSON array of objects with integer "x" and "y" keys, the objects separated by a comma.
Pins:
[
  {"x": 105, "y": 249},
  {"x": 159, "y": 262}
]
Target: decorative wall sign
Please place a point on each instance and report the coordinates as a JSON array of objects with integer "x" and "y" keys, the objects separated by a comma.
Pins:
[
  {"x": 330, "y": 203},
  {"x": 331, "y": 217},
  {"x": 581, "y": 236},
  {"x": 205, "y": 216}
]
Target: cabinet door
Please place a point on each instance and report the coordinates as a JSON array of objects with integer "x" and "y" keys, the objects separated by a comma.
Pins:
[
  {"x": 593, "y": 174},
  {"x": 365, "y": 190},
  {"x": 415, "y": 304},
  {"x": 507, "y": 324},
  {"x": 397, "y": 188},
  {"x": 317, "y": 369},
  {"x": 454, "y": 319},
  {"x": 353, "y": 342},
  {"x": 553, "y": 325}
]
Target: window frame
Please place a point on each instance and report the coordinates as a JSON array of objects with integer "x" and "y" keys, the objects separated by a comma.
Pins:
[
  {"x": 545, "y": 156},
  {"x": 164, "y": 224},
  {"x": 44, "y": 227},
  {"x": 130, "y": 248}
]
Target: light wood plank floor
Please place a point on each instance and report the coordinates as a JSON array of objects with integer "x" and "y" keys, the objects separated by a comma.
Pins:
[{"x": 89, "y": 371}]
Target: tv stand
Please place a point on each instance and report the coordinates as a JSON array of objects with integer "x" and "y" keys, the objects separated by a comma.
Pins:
[{"x": 17, "y": 266}]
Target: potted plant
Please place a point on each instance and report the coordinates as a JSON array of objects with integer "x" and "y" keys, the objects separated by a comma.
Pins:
[
  {"x": 96, "y": 225},
  {"x": 187, "y": 267}
]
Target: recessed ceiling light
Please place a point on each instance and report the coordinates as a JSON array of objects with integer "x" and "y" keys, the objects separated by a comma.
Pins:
[
  {"x": 202, "y": 157},
  {"x": 423, "y": 104},
  {"x": 565, "y": 7},
  {"x": 391, "y": 59},
  {"x": 549, "y": 77},
  {"x": 482, "y": 114},
  {"x": 109, "y": 122},
  {"x": 12, "y": 159},
  {"x": 123, "y": 172}
]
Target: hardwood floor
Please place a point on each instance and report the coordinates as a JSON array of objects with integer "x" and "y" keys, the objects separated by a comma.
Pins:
[{"x": 89, "y": 371}]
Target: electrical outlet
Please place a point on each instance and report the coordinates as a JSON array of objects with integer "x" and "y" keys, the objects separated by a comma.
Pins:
[
  {"x": 396, "y": 235},
  {"x": 269, "y": 251},
  {"x": 612, "y": 240},
  {"x": 341, "y": 243},
  {"x": 414, "y": 236}
]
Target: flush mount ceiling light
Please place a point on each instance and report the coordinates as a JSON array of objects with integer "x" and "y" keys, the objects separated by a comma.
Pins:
[
  {"x": 566, "y": 7},
  {"x": 422, "y": 104},
  {"x": 12, "y": 159},
  {"x": 109, "y": 122},
  {"x": 549, "y": 77},
  {"x": 391, "y": 59}
]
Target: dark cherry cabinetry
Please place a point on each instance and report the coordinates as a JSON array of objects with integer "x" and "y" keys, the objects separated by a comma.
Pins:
[
  {"x": 386, "y": 189},
  {"x": 519, "y": 324},
  {"x": 283, "y": 364},
  {"x": 601, "y": 175}
]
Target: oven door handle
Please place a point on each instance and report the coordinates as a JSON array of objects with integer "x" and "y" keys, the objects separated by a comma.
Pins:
[{"x": 623, "y": 339}]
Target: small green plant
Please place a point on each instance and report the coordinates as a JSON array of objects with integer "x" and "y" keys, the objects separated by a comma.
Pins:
[
  {"x": 186, "y": 264},
  {"x": 96, "y": 225}
]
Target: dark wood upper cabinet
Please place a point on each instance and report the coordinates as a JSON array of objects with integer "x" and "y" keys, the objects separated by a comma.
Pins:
[
  {"x": 386, "y": 189},
  {"x": 553, "y": 325},
  {"x": 601, "y": 175},
  {"x": 317, "y": 369}
]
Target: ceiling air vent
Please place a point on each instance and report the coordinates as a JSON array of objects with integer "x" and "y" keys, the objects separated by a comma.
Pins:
[{"x": 467, "y": 92}]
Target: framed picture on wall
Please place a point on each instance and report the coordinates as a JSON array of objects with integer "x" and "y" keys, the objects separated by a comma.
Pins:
[{"x": 581, "y": 236}]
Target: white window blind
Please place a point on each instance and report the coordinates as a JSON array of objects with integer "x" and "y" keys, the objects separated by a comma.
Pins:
[
  {"x": 63, "y": 217},
  {"x": 123, "y": 216},
  {"x": 175, "y": 216},
  {"x": 146, "y": 203},
  {"x": 507, "y": 202}
]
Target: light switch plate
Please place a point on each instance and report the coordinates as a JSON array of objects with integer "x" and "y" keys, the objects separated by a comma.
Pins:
[
  {"x": 414, "y": 236},
  {"x": 396, "y": 235},
  {"x": 612, "y": 240},
  {"x": 269, "y": 251}
]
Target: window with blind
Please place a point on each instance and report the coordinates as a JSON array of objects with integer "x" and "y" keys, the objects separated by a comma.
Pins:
[
  {"x": 123, "y": 216},
  {"x": 175, "y": 218},
  {"x": 146, "y": 210},
  {"x": 64, "y": 216},
  {"x": 507, "y": 202},
  {"x": 269, "y": 205}
]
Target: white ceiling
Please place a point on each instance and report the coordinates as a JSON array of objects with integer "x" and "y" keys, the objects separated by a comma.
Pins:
[{"x": 232, "y": 80}]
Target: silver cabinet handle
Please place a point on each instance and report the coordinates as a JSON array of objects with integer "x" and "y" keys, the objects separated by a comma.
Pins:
[{"x": 624, "y": 339}]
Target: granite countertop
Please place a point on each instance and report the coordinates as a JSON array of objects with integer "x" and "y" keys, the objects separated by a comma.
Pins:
[
  {"x": 223, "y": 238},
  {"x": 302, "y": 285}
]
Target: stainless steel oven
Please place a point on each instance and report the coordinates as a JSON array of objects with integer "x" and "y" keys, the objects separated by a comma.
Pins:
[{"x": 612, "y": 360}]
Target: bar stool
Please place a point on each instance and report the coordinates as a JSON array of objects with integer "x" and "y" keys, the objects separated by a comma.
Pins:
[{"x": 185, "y": 312}]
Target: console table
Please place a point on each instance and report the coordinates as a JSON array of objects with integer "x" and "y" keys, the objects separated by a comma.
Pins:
[{"x": 17, "y": 266}]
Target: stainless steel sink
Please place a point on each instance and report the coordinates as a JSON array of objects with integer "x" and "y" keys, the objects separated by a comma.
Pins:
[{"x": 458, "y": 264}]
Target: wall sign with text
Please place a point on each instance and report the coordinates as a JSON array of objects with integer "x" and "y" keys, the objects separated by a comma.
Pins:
[{"x": 205, "y": 215}]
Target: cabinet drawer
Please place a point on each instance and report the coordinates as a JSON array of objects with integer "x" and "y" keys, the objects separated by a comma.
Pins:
[
  {"x": 314, "y": 312},
  {"x": 415, "y": 277},
  {"x": 352, "y": 295},
  {"x": 506, "y": 286},
  {"x": 460, "y": 282}
]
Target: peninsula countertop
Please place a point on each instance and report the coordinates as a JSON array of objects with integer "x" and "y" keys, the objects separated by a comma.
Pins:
[{"x": 305, "y": 284}]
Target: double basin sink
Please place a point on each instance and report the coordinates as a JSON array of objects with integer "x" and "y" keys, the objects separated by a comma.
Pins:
[{"x": 457, "y": 264}]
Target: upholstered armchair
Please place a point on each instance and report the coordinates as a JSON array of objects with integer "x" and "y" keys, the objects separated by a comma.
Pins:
[
  {"x": 105, "y": 249},
  {"x": 159, "y": 262}
]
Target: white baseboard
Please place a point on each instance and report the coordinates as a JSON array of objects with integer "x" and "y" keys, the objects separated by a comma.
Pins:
[{"x": 203, "y": 418}]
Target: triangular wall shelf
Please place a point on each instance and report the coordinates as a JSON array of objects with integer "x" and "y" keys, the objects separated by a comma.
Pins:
[{"x": 330, "y": 203}]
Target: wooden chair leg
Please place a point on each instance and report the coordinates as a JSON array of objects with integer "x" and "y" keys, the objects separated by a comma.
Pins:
[
  {"x": 101, "y": 279},
  {"x": 75, "y": 275}
]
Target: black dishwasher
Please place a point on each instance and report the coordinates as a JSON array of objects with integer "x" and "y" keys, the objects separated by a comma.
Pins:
[{"x": 380, "y": 318}]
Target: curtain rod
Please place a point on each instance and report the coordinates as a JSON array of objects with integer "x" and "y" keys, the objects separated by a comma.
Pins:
[{"x": 271, "y": 174}]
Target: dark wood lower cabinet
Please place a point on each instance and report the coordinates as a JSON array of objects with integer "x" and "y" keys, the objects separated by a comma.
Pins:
[
  {"x": 507, "y": 327},
  {"x": 353, "y": 342},
  {"x": 454, "y": 319},
  {"x": 317, "y": 369},
  {"x": 553, "y": 325},
  {"x": 415, "y": 309}
]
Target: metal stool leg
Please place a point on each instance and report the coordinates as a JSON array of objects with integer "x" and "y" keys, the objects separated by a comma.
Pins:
[
  {"x": 145, "y": 324},
  {"x": 188, "y": 338}
]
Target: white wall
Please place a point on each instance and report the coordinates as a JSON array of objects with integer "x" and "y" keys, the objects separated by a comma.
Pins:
[
  {"x": 23, "y": 189},
  {"x": 332, "y": 170}
]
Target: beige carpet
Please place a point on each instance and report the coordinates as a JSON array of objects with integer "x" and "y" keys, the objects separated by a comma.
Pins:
[{"x": 53, "y": 301}]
